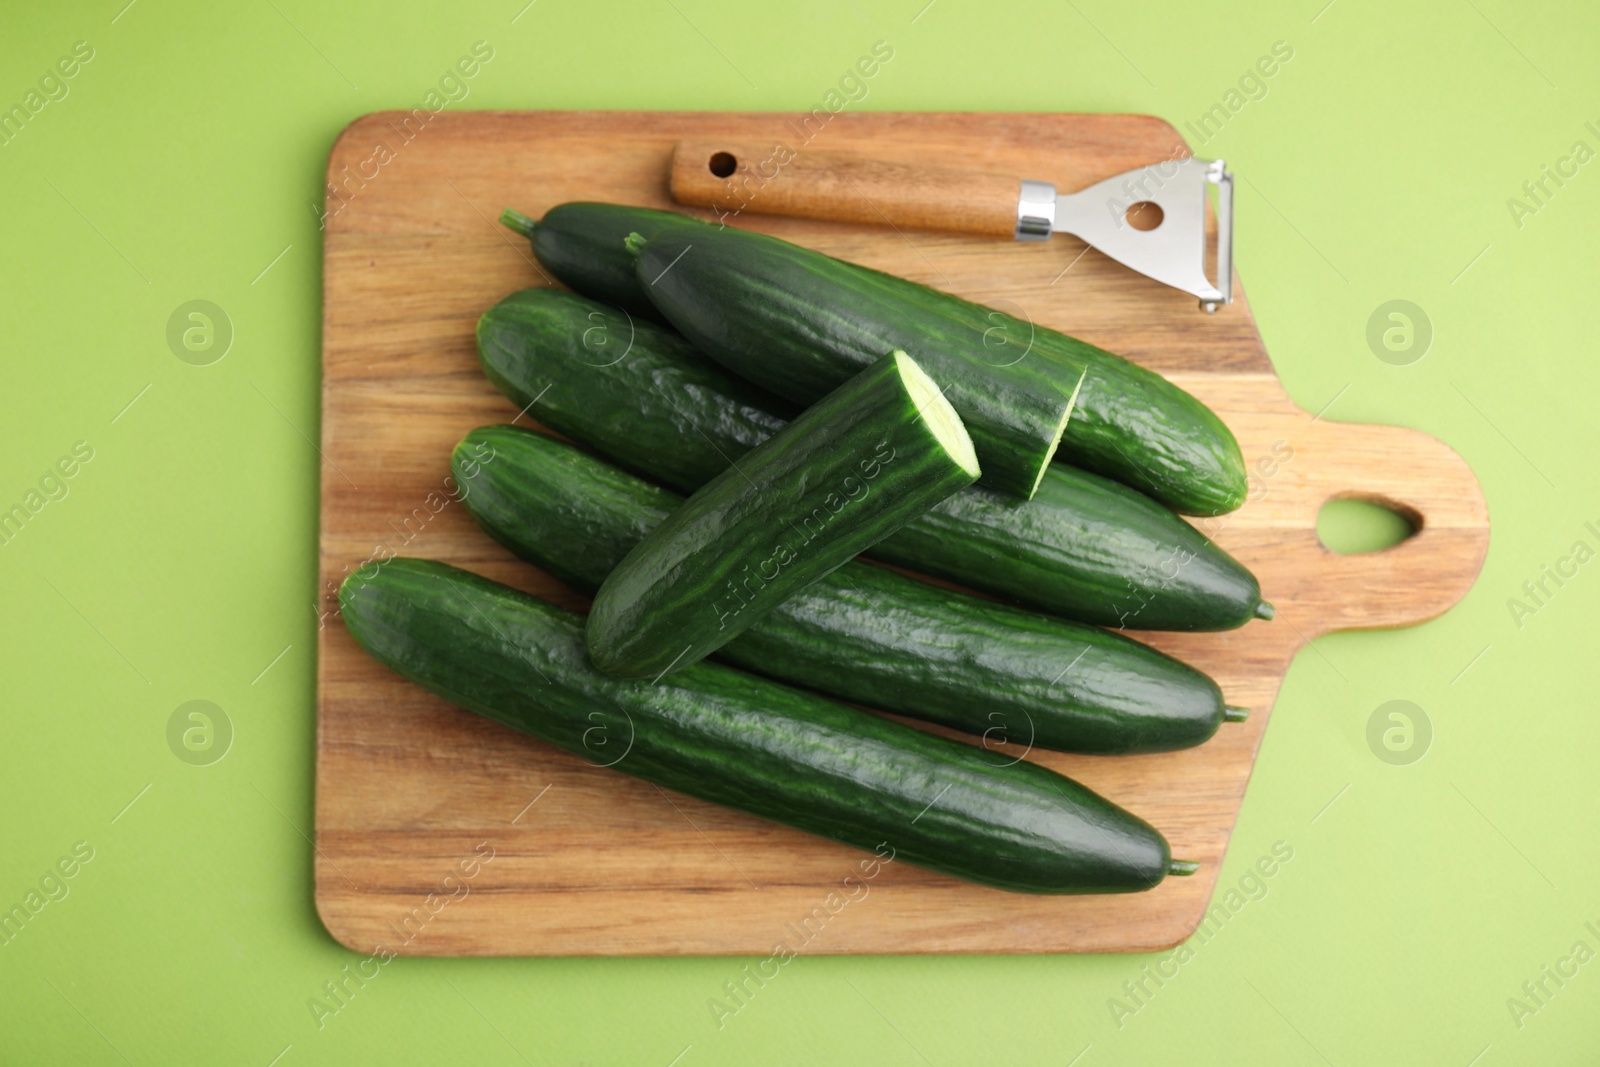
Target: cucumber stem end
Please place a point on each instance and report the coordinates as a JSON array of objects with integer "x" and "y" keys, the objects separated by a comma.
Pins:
[
  {"x": 1265, "y": 610},
  {"x": 1234, "y": 713},
  {"x": 512, "y": 219},
  {"x": 1182, "y": 868},
  {"x": 633, "y": 243}
]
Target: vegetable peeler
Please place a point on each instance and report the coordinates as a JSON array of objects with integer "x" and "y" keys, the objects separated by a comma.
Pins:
[{"x": 1151, "y": 219}]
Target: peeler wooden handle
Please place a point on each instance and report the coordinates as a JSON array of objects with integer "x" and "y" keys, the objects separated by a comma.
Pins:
[{"x": 775, "y": 180}]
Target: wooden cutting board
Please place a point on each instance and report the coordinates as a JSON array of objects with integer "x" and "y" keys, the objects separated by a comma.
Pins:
[{"x": 412, "y": 795}]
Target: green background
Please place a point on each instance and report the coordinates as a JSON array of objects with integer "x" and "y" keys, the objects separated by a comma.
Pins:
[{"x": 181, "y": 562}]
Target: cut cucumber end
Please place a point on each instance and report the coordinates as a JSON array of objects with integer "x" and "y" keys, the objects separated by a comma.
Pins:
[
  {"x": 1061, "y": 429},
  {"x": 1265, "y": 610},
  {"x": 937, "y": 414},
  {"x": 1182, "y": 868},
  {"x": 512, "y": 219},
  {"x": 1233, "y": 713}
]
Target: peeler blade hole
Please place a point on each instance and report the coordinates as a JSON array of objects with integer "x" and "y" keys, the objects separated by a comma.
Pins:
[
  {"x": 723, "y": 165},
  {"x": 1146, "y": 215}
]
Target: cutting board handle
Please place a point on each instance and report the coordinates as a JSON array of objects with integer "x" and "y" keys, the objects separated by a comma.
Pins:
[
  {"x": 773, "y": 179},
  {"x": 1407, "y": 471}
]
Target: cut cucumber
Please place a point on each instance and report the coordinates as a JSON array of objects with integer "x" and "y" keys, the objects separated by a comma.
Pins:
[
  {"x": 847, "y": 472},
  {"x": 795, "y": 321}
]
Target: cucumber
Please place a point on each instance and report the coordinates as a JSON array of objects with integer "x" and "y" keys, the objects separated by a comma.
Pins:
[
  {"x": 862, "y": 633},
  {"x": 805, "y": 338},
  {"x": 733, "y": 739},
  {"x": 622, "y": 385},
  {"x": 1085, "y": 547},
  {"x": 850, "y": 470},
  {"x": 797, "y": 322},
  {"x": 565, "y": 242}
]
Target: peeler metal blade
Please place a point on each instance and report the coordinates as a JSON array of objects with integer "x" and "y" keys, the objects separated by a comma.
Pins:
[{"x": 1174, "y": 251}]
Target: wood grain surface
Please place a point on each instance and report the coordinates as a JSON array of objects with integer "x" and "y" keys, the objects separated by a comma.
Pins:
[{"x": 412, "y": 794}]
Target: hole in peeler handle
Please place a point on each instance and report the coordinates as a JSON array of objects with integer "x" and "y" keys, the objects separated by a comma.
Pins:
[
  {"x": 1145, "y": 215},
  {"x": 1356, "y": 523},
  {"x": 723, "y": 164}
]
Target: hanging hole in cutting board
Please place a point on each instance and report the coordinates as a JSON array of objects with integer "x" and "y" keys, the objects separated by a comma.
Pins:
[
  {"x": 1352, "y": 525},
  {"x": 723, "y": 164},
  {"x": 1146, "y": 215}
]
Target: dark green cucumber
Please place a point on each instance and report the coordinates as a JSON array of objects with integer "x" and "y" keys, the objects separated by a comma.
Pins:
[
  {"x": 566, "y": 239},
  {"x": 1087, "y": 548},
  {"x": 730, "y": 738},
  {"x": 797, "y": 322},
  {"x": 622, "y": 385},
  {"x": 862, "y": 633},
  {"x": 1084, "y": 548},
  {"x": 847, "y": 472}
]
